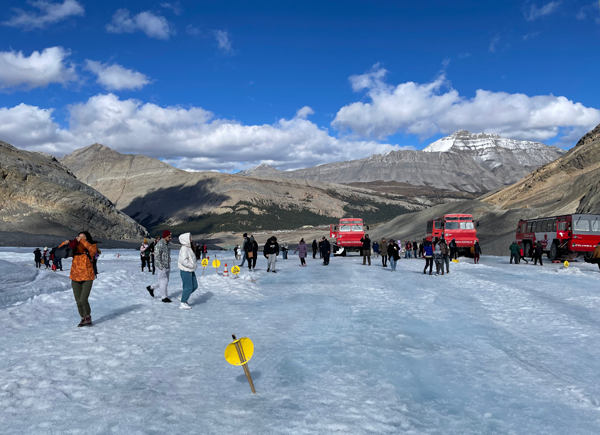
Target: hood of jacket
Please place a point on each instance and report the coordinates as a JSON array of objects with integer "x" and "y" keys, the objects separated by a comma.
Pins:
[{"x": 185, "y": 239}]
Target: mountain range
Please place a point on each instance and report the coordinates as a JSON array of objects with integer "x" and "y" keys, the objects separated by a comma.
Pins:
[
  {"x": 159, "y": 196},
  {"x": 463, "y": 161},
  {"x": 38, "y": 195}
]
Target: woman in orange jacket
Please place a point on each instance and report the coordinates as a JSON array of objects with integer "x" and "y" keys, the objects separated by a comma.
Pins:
[{"x": 82, "y": 273}]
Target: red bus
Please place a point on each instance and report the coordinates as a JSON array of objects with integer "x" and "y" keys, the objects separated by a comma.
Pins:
[
  {"x": 347, "y": 235},
  {"x": 459, "y": 227},
  {"x": 563, "y": 237}
]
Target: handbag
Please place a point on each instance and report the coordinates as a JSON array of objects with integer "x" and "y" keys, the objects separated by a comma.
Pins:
[{"x": 250, "y": 254}]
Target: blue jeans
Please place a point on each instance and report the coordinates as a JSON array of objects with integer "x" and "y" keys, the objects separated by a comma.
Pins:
[
  {"x": 190, "y": 284},
  {"x": 244, "y": 259},
  {"x": 393, "y": 262}
]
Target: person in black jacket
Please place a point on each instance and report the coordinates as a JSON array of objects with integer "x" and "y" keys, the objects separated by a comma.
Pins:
[
  {"x": 325, "y": 251},
  {"x": 539, "y": 251},
  {"x": 393, "y": 251},
  {"x": 37, "y": 256},
  {"x": 476, "y": 252},
  {"x": 415, "y": 248},
  {"x": 251, "y": 250},
  {"x": 453, "y": 250},
  {"x": 366, "y": 249},
  {"x": 271, "y": 251},
  {"x": 315, "y": 248}
]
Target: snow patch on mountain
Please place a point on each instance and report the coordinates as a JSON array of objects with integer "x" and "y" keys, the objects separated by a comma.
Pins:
[{"x": 464, "y": 140}]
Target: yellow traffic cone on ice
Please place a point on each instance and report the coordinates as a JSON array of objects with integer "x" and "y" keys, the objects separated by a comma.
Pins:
[{"x": 225, "y": 272}]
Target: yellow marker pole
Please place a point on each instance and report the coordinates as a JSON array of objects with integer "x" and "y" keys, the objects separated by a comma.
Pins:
[
  {"x": 240, "y": 352},
  {"x": 204, "y": 264}
]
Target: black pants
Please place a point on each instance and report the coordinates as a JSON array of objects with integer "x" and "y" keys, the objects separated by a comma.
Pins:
[
  {"x": 326, "y": 258},
  {"x": 384, "y": 259},
  {"x": 428, "y": 263},
  {"x": 516, "y": 258},
  {"x": 535, "y": 260},
  {"x": 314, "y": 254},
  {"x": 152, "y": 263},
  {"x": 38, "y": 264},
  {"x": 439, "y": 267},
  {"x": 303, "y": 261},
  {"x": 454, "y": 254},
  {"x": 145, "y": 262},
  {"x": 252, "y": 262}
]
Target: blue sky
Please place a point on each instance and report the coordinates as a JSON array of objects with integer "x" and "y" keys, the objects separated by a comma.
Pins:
[{"x": 222, "y": 85}]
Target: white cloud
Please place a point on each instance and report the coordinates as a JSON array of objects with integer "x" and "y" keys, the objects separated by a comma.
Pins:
[
  {"x": 464, "y": 55},
  {"x": 532, "y": 12},
  {"x": 223, "y": 41},
  {"x": 304, "y": 112},
  {"x": 531, "y": 35},
  {"x": 191, "y": 137},
  {"x": 154, "y": 26},
  {"x": 589, "y": 9},
  {"x": 50, "y": 13},
  {"x": 193, "y": 30},
  {"x": 175, "y": 7},
  {"x": 426, "y": 109},
  {"x": 493, "y": 43},
  {"x": 115, "y": 77},
  {"x": 36, "y": 71}
]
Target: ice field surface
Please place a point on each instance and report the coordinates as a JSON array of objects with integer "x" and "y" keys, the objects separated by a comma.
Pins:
[{"x": 350, "y": 349}]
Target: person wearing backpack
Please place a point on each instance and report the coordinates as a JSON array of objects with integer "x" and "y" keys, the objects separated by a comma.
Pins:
[
  {"x": 437, "y": 258},
  {"x": 445, "y": 255},
  {"x": 82, "y": 275}
]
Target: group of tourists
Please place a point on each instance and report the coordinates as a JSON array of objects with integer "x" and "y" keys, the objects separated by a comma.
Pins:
[
  {"x": 47, "y": 259},
  {"x": 517, "y": 253}
]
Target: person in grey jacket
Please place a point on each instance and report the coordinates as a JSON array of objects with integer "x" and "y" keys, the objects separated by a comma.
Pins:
[{"x": 162, "y": 254}]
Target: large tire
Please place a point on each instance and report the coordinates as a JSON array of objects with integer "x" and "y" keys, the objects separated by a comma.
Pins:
[
  {"x": 587, "y": 257},
  {"x": 554, "y": 252},
  {"x": 527, "y": 249}
]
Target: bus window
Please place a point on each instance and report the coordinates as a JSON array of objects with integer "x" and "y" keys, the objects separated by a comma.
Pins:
[
  {"x": 581, "y": 225},
  {"x": 467, "y": 226},
  {"x": 452, "y": 225},
  {"x": 438, "y": 225},
  {"x": 562, "y": 226},
  {"x": 524, "y": 227},
  {"x": 596, "y": 225},
  {"x": 553, "y": 226},
  {"x": 529, "y": 227},
  {"x": 547, "y": 225}
]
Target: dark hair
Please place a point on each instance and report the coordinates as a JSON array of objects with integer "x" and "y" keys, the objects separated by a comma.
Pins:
[{"x": 88, "y": 237}]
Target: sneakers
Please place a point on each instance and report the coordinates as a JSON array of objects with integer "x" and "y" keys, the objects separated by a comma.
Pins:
[
  {"x": 268, "y": 270},
  {"x": 274, "y": 271},
  {"x": 184, "y": 306},
  {"x": 166, "y": 300},
  {"x": 150, "y": 291}
]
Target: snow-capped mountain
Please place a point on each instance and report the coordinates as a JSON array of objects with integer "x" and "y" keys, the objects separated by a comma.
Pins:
[
  {"x": 508, "y": 159},
  {"x": 462, "y": 161}
]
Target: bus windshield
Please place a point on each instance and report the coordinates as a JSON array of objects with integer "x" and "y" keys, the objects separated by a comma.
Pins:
[
  {"x": 350, "y": 227},
  {"x": 452, "y": 225},
  {"x": 467, "y": 226}
]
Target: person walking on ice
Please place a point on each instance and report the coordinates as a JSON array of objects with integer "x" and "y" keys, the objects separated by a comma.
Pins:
[
  {"x": 437, "y": 258},
  {"x": 271, "y": 251},
  {"x": 302, "y": 250},
  {"x": 162, "y": 252},
  {"x": 187, "y": 264},
  {"x": 366, "y": 249},
  {"x": 82, "y": 273}
]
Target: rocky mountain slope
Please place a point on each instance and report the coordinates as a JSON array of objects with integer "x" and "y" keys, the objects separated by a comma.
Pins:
[
  {"x": 462, "y": 162},
  {"x": 160, "y": 196},
  {"x": 38, "y": 195},
  {"x": 567, "y": 185}
]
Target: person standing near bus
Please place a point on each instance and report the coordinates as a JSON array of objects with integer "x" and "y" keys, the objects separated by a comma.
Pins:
[
  {"x": 514, "y": 252},
  {"x": 428, "y": 251},
  {"x": 539, "y": 251},
  {"x": 453, "y": 250},
  {"x": 476, "y": 252},
  {"x": 383, "y": 247},
  {"x": 445, "y": 255}
]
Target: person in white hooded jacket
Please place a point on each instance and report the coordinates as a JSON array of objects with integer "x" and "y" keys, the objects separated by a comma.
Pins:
[{"x": 187, "y": 264}]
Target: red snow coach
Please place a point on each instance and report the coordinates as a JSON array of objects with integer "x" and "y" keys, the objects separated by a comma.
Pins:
[
  {"x": 459, "y": 227},
  {"x": 347, "y": 235},
  {"x": 567, "y": 236}
]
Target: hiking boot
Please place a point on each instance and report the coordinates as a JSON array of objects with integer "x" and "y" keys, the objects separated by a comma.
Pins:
[
  {"x": 166, "y": 300},
  {"x": 184, "y": 306},
  {"x": 150, "y": 291},
  {"x": 429, "y": 273},
  {"x": 82, "y": 323},
  {"x": 87, "y": 321}
]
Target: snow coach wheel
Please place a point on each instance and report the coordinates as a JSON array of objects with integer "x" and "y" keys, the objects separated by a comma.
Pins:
[
  {"x": 588, "y": 257},
  {"x": 527, "y": 249},
  {"x": 554, "y": 252}
]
